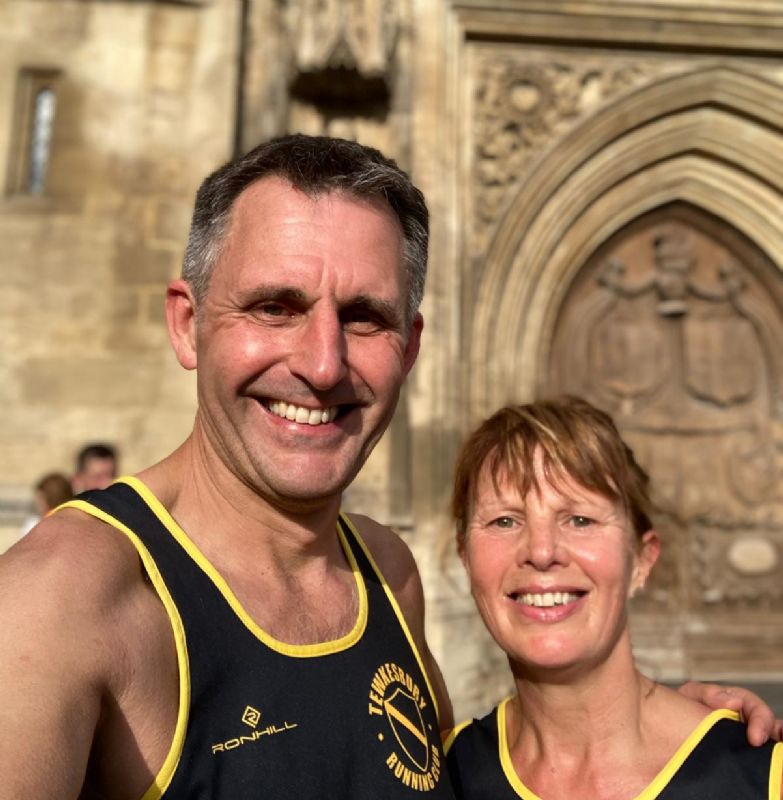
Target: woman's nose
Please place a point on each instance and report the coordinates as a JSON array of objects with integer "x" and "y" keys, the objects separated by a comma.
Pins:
[{"x": 542, "y": 545}]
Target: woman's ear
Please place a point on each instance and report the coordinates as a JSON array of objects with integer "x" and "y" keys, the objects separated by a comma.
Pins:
[
  {"x": 647, "y": 554},
  {"x": 461, "y": 552}
]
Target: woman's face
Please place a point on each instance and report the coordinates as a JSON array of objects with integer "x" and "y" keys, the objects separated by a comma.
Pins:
[{"x": 551, "y": 572}]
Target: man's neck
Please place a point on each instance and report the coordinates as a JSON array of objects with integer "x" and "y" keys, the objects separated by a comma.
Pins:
[
  {"x": 212, "y": 504},
  {"x": 273, "y": 560}
]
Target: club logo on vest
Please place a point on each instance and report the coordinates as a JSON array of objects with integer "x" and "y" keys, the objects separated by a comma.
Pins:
[
  {"x": 411, "y": 745},
  {"x": 251, "y": 717}
]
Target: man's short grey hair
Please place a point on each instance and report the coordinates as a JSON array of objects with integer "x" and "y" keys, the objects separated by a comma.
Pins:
[{"x": 314, "y": 165}]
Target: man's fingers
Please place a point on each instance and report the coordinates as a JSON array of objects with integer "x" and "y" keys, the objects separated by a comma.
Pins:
[{"x": 754, "y": 711}]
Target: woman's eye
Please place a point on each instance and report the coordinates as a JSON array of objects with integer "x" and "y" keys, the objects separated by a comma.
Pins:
[
  {"x": 503, "y": 522},
  {"x": 578, "y": 521}
]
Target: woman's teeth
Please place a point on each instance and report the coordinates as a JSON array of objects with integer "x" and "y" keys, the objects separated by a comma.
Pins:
[{"x": 546, "y": 599}]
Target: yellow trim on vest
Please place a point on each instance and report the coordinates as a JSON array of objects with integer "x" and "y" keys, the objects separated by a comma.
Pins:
[
  {"x": 453, "y": 734},
  {"x": 293, "y": 650},
  {"x": 505, "y": 756},
  {"x": 658, "y": 783},
  {"x": 397, "y": 610},
  {"x": 776, "y": 772},
  {"x": 162, "y": 780}
]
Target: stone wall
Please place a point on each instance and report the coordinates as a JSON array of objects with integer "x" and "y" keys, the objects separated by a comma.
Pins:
[
  {"x": 145, "y": 98},
  {"x": 544, "y": 134}
]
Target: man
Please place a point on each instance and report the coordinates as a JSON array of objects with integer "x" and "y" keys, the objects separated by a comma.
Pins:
[
  {"x": 96, "y": 467},
  {"x": 214, "y": 628}
]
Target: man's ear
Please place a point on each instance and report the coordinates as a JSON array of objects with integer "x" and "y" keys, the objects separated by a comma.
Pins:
[
  {"x": 413, "y": 343},
  {"x": 181, "y": 321},
  {"x": 647, "y": 555}
]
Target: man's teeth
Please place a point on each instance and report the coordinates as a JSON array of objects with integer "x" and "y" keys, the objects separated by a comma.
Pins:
[
  {"x": 309, "y": 416},
  {"x": 547, "y": 599}
]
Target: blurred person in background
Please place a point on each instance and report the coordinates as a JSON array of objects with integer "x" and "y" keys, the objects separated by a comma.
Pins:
[
  {"x": 48, "y": 493},
  {"x": 96, "y": 467}
]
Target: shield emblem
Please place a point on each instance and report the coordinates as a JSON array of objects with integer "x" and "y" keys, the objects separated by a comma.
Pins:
[
  {"x": 406, "y": 722},
  {"x": 628, "y": 355},
  {"x": 721, "y": 356}
]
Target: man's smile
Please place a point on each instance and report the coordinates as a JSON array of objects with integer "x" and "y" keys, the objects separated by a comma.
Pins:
[{"x": 301, "y": 414}]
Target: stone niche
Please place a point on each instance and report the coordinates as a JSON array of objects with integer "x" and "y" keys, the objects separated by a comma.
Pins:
[{"x": 618, "y": 239}]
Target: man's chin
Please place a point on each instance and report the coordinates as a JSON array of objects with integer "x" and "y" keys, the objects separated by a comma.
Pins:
[{"x": 304, "y": 494}]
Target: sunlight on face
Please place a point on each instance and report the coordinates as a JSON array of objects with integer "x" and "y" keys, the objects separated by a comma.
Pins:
[{"x": 551, "y": 571}]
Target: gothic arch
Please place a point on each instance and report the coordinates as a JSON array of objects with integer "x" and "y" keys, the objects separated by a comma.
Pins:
[{"x": 710, "y": 138}]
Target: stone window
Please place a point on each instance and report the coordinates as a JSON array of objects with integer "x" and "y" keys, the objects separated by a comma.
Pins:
[{"x": 31, "y": 149}]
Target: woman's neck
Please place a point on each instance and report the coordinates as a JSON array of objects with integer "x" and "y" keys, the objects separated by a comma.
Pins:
[
  {"x": 580, "y": 716},
  {"x": 605, "y": 732}
]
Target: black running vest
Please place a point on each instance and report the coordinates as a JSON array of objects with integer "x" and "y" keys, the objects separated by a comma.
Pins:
[
  {"x": 714, "y": 763},
  {"x": 350, "y": 719}
]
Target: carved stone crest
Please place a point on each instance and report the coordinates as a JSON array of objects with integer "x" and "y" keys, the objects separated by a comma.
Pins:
[{"x": 673, "y": 331}]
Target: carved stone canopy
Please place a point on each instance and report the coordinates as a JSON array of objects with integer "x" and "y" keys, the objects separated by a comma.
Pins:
[{"x": 342, "y": 52}]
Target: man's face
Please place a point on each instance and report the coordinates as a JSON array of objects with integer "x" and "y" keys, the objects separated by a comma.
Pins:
[
  {"x": 301, "y": 342},
  {"x": 97, "y": 473}
]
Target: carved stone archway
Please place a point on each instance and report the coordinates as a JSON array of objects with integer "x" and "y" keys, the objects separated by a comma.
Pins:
[
  {"x": 659, "y": 144},
  {"x": 674, "y": 326},
  {"x": 665, "y": 197}
]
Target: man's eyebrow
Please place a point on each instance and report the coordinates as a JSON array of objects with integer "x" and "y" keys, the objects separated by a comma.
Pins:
[
  {"x": 266, "y": 293},
  {"x": 375, "y": 305}
]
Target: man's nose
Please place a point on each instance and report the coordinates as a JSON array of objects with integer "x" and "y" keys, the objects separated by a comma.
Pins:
[{"x": 319, "y": 355}]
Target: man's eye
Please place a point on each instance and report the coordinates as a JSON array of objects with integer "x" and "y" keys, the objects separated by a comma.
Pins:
[
  {"x": 362, "y": 322},
  {"x": 272, "y": 310}
]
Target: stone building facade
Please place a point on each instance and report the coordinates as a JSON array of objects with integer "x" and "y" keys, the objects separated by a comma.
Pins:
[{"x": 605, "y": 182}]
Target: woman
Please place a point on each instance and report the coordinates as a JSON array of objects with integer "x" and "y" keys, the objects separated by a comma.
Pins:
[
  {"x": 50, "y": 491},
  {"x": 554, "y": 530}
]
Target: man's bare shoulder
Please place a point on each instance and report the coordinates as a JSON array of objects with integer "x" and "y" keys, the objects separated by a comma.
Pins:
[
  {"x": 74, "y": 555},
  {"x": 76, "y": 611},
  {"x": 398, "y": 567},
  {"x": 74, "y": 608},
  {"x": 392, "y": 555}
]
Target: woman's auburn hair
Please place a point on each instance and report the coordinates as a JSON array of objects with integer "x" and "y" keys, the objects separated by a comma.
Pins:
[{"x": 575, "y": 440}]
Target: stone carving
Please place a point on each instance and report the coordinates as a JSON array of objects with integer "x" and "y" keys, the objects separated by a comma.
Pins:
[
  {"x": 752, "y": 579},
  {"x": 675, "y": 329},
  {"x": 344, "y": 77},
  {"x": 753, "y": 556},
  {"x": 359, "y": 35},
  {"x": 522, "y": 104}
]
